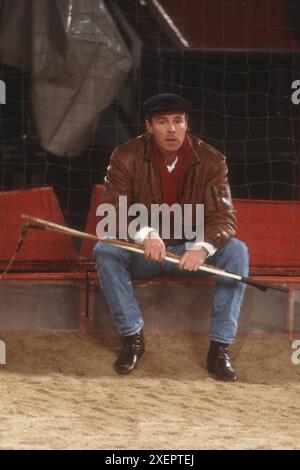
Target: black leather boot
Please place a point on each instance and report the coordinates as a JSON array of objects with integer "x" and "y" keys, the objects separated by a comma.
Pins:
[
  {"x": 133, "y": 349},
  {"x": 218, "y": 362}
]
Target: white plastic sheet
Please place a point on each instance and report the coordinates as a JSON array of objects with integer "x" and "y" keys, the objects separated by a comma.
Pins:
[{"x": 78, "y": 61}]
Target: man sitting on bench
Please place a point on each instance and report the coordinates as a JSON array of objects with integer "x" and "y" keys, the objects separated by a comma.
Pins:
[{"x": 168, "y": 165}]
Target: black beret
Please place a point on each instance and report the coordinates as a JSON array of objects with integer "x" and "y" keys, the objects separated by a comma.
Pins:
[{"x": 165, "y": 102}]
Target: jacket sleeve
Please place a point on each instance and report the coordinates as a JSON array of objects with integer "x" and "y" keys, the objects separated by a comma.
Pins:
[
  {"x": 117, "y": 182},
  {"x": 220, "y": 215}
]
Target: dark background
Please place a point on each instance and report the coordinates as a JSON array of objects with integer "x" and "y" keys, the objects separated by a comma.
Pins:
[{"x": 237, "y": 72}]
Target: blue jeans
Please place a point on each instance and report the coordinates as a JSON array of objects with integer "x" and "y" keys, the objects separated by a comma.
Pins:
[{"x": 117, "y": 267}]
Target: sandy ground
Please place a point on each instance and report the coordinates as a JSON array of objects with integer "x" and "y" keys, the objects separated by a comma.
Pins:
[{"x": 59, "y": 391}]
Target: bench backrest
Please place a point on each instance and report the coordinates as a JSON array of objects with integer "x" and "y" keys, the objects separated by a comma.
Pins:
[
  {"x": 271, "y": 229},
  {"x": 42, "y": 250}
]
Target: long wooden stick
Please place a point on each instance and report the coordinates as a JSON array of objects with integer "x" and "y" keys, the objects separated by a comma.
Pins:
[{"x": 137, "y": 248}]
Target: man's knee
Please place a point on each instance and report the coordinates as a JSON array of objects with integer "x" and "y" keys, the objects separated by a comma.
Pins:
[
  {"x": 236, "y": 252},
  {"x": 234, "y": 257},
  {"x": 237, "y": 248}
]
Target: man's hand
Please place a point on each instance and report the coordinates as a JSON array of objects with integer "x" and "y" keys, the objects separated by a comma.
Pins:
[
  {"x": 191, "y": 260},
  {"x": 155, "y": 248}
]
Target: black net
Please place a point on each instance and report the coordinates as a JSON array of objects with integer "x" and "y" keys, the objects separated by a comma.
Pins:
[{"x": 234, "y": 60}]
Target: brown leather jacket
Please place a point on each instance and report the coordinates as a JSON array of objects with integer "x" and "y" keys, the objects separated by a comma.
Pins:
[{"x": 133, "y": 173}]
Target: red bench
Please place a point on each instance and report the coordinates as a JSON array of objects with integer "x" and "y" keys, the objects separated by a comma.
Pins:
[
  {"x": 271, "y": 230},
  {"x": 45, "y": 256},
  {"x": 43, "y": 250}
]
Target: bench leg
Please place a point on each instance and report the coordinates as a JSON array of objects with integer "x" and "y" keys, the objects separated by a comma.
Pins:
[
  {"x": 83, "y": 317},
  {"x": 92, "y": 292}
]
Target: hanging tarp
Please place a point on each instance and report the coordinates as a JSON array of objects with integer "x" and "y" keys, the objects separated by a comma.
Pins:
[{"x": 78, "y": 62}]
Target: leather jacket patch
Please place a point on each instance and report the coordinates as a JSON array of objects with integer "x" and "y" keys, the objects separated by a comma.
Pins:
[
  {"x": 225, "y": 195},
  {"x": 222, "y": 197}
]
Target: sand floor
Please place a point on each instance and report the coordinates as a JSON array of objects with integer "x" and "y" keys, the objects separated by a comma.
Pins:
[{"x": 59, "y": 391}]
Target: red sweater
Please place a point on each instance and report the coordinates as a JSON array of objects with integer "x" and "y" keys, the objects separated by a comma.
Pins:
[{"x": 172, "y": 183}]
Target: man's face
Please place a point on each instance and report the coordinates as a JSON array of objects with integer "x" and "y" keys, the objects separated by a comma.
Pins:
[{"x": 168, "y": 130}]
